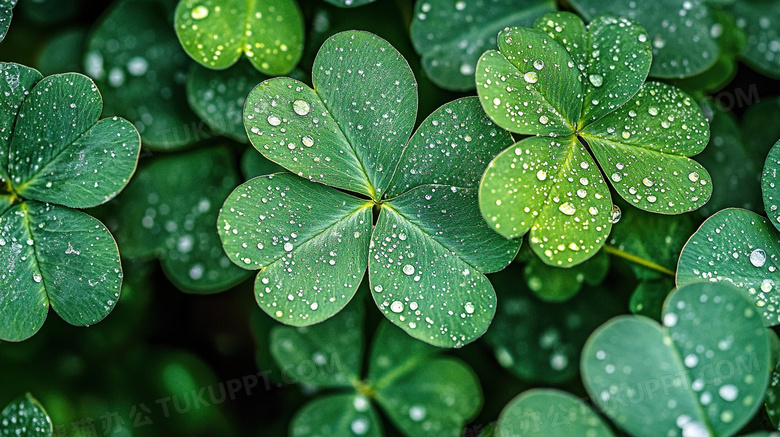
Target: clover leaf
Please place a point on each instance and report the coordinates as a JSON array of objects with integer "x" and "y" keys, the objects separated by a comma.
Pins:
[
  {"x": 581, "y": 92},
  {"x": 551, "y": 413},
  {"x": 134, "y": 57},
  {"x": 419, "y": 391},
  {"x": 545, "y": 349},
  {"x": 169, "y": 211},
  {"x": 6, "y": 13},
  {"x": 704, "y": 372},
  {"x": 449, "y": 55},
  {"x": 684, "y": 43},
  {"x": 429, "y": 248},
  {"x": 53, "y": 149},
  {"x": 218, "y": 96},
  {"x": 25, "y": 417},
  {"x": 757, "y": 19},
  {"x": 741, "y": 247},
  {"x": 216, "y": 32}
]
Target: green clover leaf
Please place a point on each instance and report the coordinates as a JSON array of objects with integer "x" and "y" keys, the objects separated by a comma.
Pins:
[
  {"x": 216, "y": 32},
  {"x": 449, "y": 55},
  {"x": 552, "y": 413},
  {"x": 134, "y": 57},
  {"x": 53, "y": 149},
  {"x": 168, "y": 211},
  {"x": 421, "y": 392},
  {"x": 6, "y": 13},
  {"x": 756, "y": 18},
  {"x": 25, "y": 417},
  {"x": 428, "y": 251},
  {"x": 684, "y": 43},
  {"x": 581, "y": 91},
  {"x": 682, "y": 377}
]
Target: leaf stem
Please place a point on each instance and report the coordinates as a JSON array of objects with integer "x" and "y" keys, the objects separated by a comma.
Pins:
[
  {"x": 364, "y": 389},
  {"x": 638, "y": 260}
]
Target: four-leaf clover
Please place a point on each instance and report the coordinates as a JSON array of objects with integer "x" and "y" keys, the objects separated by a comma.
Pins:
[{"x": 427, "y": 250}]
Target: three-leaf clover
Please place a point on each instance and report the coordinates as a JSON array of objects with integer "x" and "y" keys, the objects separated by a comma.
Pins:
[
  {"x": 704, "y": 372},
  {"x": 421, "y": 392},
  {"x": 429, "y": 247},
  {"x": 216, "y": 32},
  {"x": 53, "y": 150},
  {"x": 581, "y": 92}
]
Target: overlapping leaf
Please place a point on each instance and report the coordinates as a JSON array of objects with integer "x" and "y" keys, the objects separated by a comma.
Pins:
[
  {"x": 681, "y": 378},
  {"x": 169, "y": 211},
  {"x": 581, "y": 90},
  {"x": 683, "y": 32},
  {"x": 449, "y": 55},
  {"x": 419, "y": 391},
  {"x": 6, "y": 13},
  {"x": 53, "y": 149},
  {"x": 429, "y": 249},
  {"x": 758, "y": 18},
  {"x": 551, "y": 413},
  {"x": 133, "y": 55},
  {"x": 217, "y": 32}
]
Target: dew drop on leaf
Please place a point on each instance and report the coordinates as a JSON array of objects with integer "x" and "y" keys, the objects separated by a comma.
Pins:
[
  {"x": 301, "y": 107},
  {"x": 531, "y": 77},
  {"x": 199, "y": 12},
  {"x": 757, "y": 257},
  {"x": 596, "y": 80}
]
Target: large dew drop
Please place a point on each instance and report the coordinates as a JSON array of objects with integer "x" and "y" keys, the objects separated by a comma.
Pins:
[
  {"x": 531, "y": 77},
  {"x": 596, "y": 80},
  {"x": 199, "y": 12},
  {"x": 757, "y": 257},
  {"x": 301, "y": 107}
]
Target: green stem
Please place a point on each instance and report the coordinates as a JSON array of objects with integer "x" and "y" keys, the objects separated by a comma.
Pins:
[
  {"x": 638, "y": 260},
  {"x": 364, "y": 389}
]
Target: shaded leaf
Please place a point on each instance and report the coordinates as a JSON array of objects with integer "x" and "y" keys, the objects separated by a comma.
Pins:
[
  {"x": 680, "y": 32},
  {"x": 25, "y": 417},
  {"x": 757, "y": 19},
  {"x": 558, "y": 285},
  {"x": 142, "y": 78},
  {"x": 169, "y": 211},
  {"x": 328, "y": 354},
  {"x": 348, "y": 415},
  {"x": 450, "y": 54},
  {"x": 6, "y": 13},
  {"x": 551, "y": 412},
  {"x": 218, "y": 96},
  {"x": 770, "y": 185},
  {"x": 17, "y": 84}
]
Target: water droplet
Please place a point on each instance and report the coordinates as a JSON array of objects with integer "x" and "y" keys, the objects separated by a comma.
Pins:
[
  {"x": 596, "y": 80},
  {"x": 199, "y": 12},
  {"x": 469, "y": 307},
  {"x": 36, "y": 277},
  {"x": 670, "y": 319},
  {"x": 274, "y": 120},
  {"x": 496, "y": 101},
  {"x": 567, "y": 208},
  {"x": 408, "y": 269},
  {"x": 543, "y": 119},
  {"x": 767, "y": 285},
  {"x": 307, "y": 141},
  {"x": 301, "y": 107},
  {"x": 378, "y": 288},
  {"x": 360, "y": 403},
  {"x": 728, "y": 392},
  {"x": 693, "y": 176},
  {"x": 288, "y": 247},
  {"x": 359, "y": 426},
  {"x": 396, "y": 307},
  {"x": 691, "y": 360},
  {"x": 652, "y": 111},
  {"x": 417, "y": 413},
  {"x": 616, "y": 214},
  {"x": 539, "y": 64},
  {"x": 647, "y": 182},
  {"x": 757, "y": 257},
  {"x": 541, "y": 175},
  {"x": 531, "y": 77}
]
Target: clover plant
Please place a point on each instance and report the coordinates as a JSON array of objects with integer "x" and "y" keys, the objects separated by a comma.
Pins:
[
  {"x": 427, "y": 250},
  {"x": 582, "y": 93},
  {"x": 56, "y": 156},
  {"x": 418, "y": 390}
]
